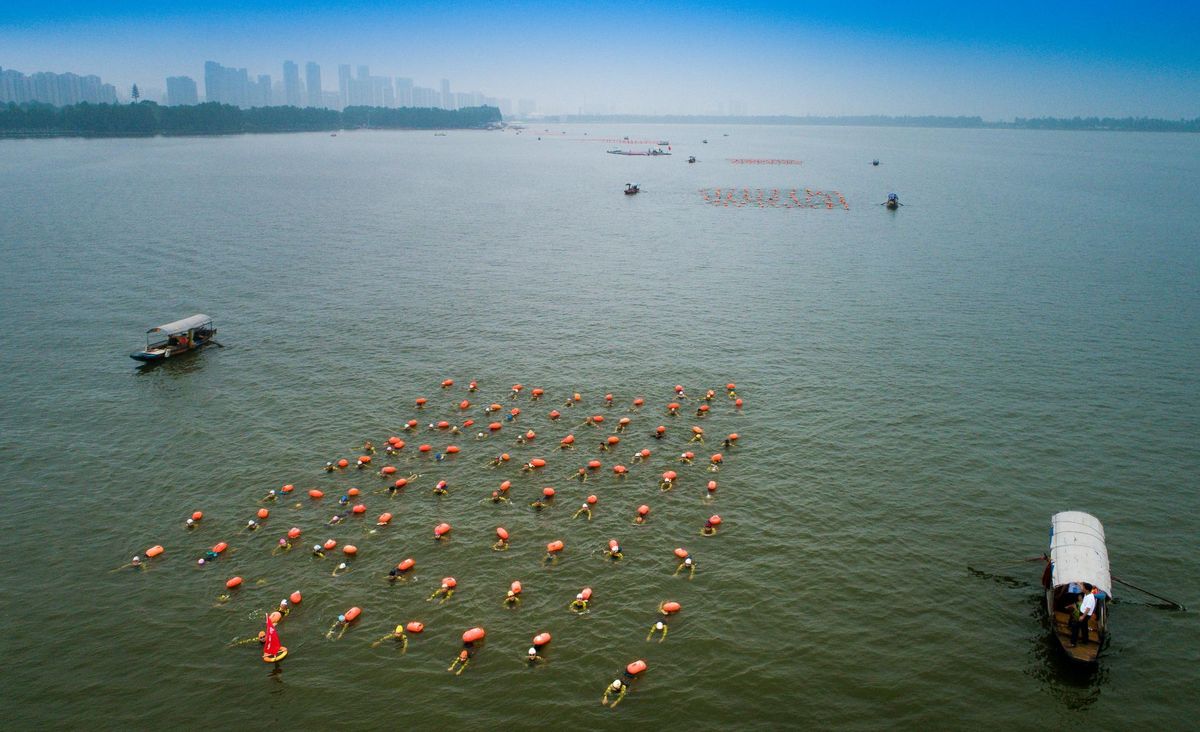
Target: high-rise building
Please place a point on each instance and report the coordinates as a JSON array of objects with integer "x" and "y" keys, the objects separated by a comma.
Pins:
[
  {"x": 181, "y": 90},
  {"x": 447, "y": 99},
  {"x": 404, "y": 92},
  {"x": 291, "y": 84},
  {"x": 57, "y": 89},
  {"x": 312, "y": 75},
  {"x": 343, "y": 85},
  {"x": 214, "y": 79},
  {"x": 261, "y": 91},
  {"x": 424, "y": 97}
]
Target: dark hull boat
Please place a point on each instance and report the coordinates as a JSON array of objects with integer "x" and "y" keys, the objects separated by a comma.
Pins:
[{"x": 172, "y": 339}]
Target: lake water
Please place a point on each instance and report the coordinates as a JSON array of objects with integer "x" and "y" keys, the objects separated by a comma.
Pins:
[{"x": 923, "y": 389}]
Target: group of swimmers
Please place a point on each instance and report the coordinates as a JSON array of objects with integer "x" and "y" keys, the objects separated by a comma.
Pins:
[{"x": 394, "y": 449}]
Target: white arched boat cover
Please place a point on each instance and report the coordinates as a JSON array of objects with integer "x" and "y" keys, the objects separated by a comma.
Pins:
[
  {"x": 182, "y": 326},
  {"x": 1077, "y": 550}
]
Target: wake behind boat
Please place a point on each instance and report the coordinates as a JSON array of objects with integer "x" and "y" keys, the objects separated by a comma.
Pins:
[{"x": 171, "y": 339}]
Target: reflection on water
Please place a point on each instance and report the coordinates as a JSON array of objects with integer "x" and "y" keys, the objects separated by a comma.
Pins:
[
  {"x": 1074, "y": 685},
  {"x": 181, "y": 365}
]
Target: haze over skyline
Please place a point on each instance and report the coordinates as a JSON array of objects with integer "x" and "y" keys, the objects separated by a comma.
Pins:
[{"x": 998, "y": 62}]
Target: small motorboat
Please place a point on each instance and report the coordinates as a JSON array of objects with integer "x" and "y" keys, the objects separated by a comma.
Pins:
[
  {"x": 632, "y": 189},
  {"x": 704, "y": 142},
  {"x": 691, "y": 158},
  {"x": 1077, "y": 566},
  {"x": 893, "y": 202},
  {"x": 172, "y": 339},
  {"x": 875, "y": 162},
  {"x": 664, "y": 143}
]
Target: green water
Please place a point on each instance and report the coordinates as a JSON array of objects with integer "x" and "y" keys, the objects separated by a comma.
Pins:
[{"x": 923, "y": 388}]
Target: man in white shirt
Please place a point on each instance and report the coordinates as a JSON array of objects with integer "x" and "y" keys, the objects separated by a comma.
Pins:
[{"x": 1086, "y": 608}]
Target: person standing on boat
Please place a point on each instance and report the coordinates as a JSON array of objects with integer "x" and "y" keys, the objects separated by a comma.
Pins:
[{"x": 1082, "y": 613}]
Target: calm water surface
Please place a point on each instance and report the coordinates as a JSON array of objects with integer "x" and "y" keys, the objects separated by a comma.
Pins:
[{"x": 923, "y": 389}]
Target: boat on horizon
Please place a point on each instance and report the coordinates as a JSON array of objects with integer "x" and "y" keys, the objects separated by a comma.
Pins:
[
  {"x": 171, "y": 339},
  {"x": 652, "y": 152},
  {"x": 1077, "y": 565},
  {"x": 632, "y": 189}
]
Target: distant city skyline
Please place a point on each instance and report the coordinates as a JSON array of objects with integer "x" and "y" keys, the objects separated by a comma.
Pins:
[{"x": 995, "y": 60}]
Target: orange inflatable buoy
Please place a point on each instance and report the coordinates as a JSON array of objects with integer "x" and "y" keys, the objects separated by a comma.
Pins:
[
  {"x": 473, "y": 635},
  {"x": 154, "y": 551},
  {"x": 411, "y": 424},
  {"x": 733, "y": 437},
  {"x": 295, "y": 597},
  {"x": 660, "y": 429},
  {"x": 518, "y": 387},
  {"x": 671, "y": 607},
  {"x": 613, "y": 439},
  {"x": 636, "y": 667},
  {"x": 294, "y": 532},
  {"x": 737, "y": 403},
  {"x": 353, "y": 492},
  {"x": 421, "y": 401},
  {"x": 316, "y": 494},
  {"x": 715, "y": 520},
  {"x": 555, "y": 546},
  {"x": 644, "y": 453},
  {"x": 217, "y": 548},
  {"x": 670, "y": 475},
  {"x": 538, "y": 463},
  {"x": 586, "y": 593},
  {"x": 593, "y": 464},
  {"x": 197, "y": 515},
  {"x": 353, "y": 613},
  {"x": 717, "y": 457},
  {"x": 712, "y": 486},
  {"x": 275, "y": 617},
  {"x": 494, "y": 407},
  {"x": 233, "y": 582},
  {"x": 514, "y": 411},
  {"x": 343, "y": 463},
  {"x": 388, "y": 470},
  {"x": 681, "y": 553},
  {"x": 703, "y": 408},
  {"x": 639, "y": 402},
  {"x": 673, "y": 407},
  {"x": 425, "y": 448},
  {"x": 591, "y": 500},
  {"x": 495, "y": 426},
  {"x": 452, "y": 449},
  {"x": 624, "y": 421},
  {"x": 538, "y": 392},
  {"x": 468, "y": 423},
  {"x": 502, "y": 533},
  {"x": 384, "y": 519},
  {"x": 689, "y": 455},
  {"x": 329, "y": 544},
  {"x": 568, "y": 440},
  {"x": 554, "y": 414},
  {"x": 643, "y": 510},
  {"x": 505, "y": 486},
  {"x": 576, "y": 397},
  {"x": 613, "y": 545},
  {"x": 619, "y": 469},
  {"x": 401, "y": 483},
  {"x": 515, "y": 587},
  {"x": 394, "y": 440},
  {"x": 678, "y": 389},
  {"x": 447, "y": 383},
  {"x": 443, "y": 425},
  {"x": 449, "y": 583},
  {"x": 504, "y": 457},
  {"x": 541, "y": 639},
  {"x": 441, "y": 529},
  {"x": 697, "y": 430},
  {"x": 731, "y": 386},
  {"x": 288, "y": 488},
  {"x": 359, "y": 508},
  {"x": 364, "y": 459},
  {"x": 263, "y": 513},
  {"x": 608, "y": 397},
  {"x": 414, "y": 626},
  {"x": 349, "y": 550},
  {"x": 548, "y": 492},
  {"x": 597, "y": 418},
  {"x": 407, "y": 564}
]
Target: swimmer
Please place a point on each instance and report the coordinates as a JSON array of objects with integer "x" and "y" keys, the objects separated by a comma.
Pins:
[
  {"x": 285, "y": 607},
  {"x": 440, "y": 489},
  {"x": 614, "y": 551},
  {"x": 337, "y": 518},
  {"x": 271, "y": 496},
  {"x": 341, "y": 623},
  {"x": 726, "y": 443},
  {"x": 369, "y": 448},
  {"x": 360, "y": 464},
  {"x": 658, "y": 627},
  {"x": 512, "y": 600},
  {"x": 532, "y": 658},
  {"x": 581, "y": 475},
  {"x": 329, "y": 467},
  {"x": 341, "y": 568},
  {"x": 660, "y": 432},
  {"x": 444, "y": 592},
  {"x": 697, "y": 436},
  {"x": 496, "y": 461},
  {"x": 317, "y": 551},
  {"x": 212, "y": 556},
  {"x": 689, "y": 564},
  {"x": 579, "y": 604},
  {"x": 498, "y": 497},
  {"x": 454, "y": 430},
  {"x": 283, "y": 546},
  {"x": 501, "y": 545},
  {"x": 251, "y": 525},
  {"x": 538, "y": 505},
  {"x": 666, "y": 484},
  {"x": 686, "y": 458},
  {"x": 396, "y": 635},
  {"x": 135, "y": 563},
  {"x": 708, "y": 395},
  {"x": 480, "y": 436},
  {"x": 260, "y": 639},
  {"x": 603, "y": 446},
  {"x": 461, "y": 661},
  {"x": 389, "y": 449},
  {"x": 343, "y": 499},
  {"x": 584, "y": 509},
  {"x": 709, "y": 529},
  {"x": 439, "y": 457},
  {"x": 617, "y": 687}
]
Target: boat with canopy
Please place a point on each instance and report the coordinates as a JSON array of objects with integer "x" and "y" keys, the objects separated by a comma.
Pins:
[
  {"x": 181, "y": 336},
  {"x": 1077, "y": 564}
]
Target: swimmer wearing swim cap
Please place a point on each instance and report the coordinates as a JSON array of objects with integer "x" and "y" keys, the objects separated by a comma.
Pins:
[{"x": 617, "y": 687}]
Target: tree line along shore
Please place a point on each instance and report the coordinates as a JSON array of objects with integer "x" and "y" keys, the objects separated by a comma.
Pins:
[{"x": 34, "y": 119}]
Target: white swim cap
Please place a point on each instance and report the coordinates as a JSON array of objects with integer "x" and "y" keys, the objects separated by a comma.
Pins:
[
  {"x": 342, "y": 565},
  {"x": 616, "y": 549},
  {"x": 579, "y": 596},
  {"x": 688, "y": 561},
  {"x": 341, "y": 618},
  {"x": 200, "y": 560},
  {"x": 136, "y": 558},
  {"x": 616, "y": 684},
  {"x": 283, "y": 603},
  {"x": 316, "y": 547},
  {"x": 250, "y": 522},
  {"x": 533, "y": 651},
  {"x": 190, "y": 522},
  {"x": 658, "y": 625}
]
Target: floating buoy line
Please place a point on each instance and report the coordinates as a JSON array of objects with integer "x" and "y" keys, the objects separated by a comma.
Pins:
[{"x": 774, "y": 198}]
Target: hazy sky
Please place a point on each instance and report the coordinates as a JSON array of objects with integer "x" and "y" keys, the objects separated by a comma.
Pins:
[{"x": 997, "y": 60}]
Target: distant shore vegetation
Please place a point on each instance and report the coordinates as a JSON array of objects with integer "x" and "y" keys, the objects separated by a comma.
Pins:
[
  {"x": 34, "y": 119},
  {"x": 1131, "y": 124}
]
